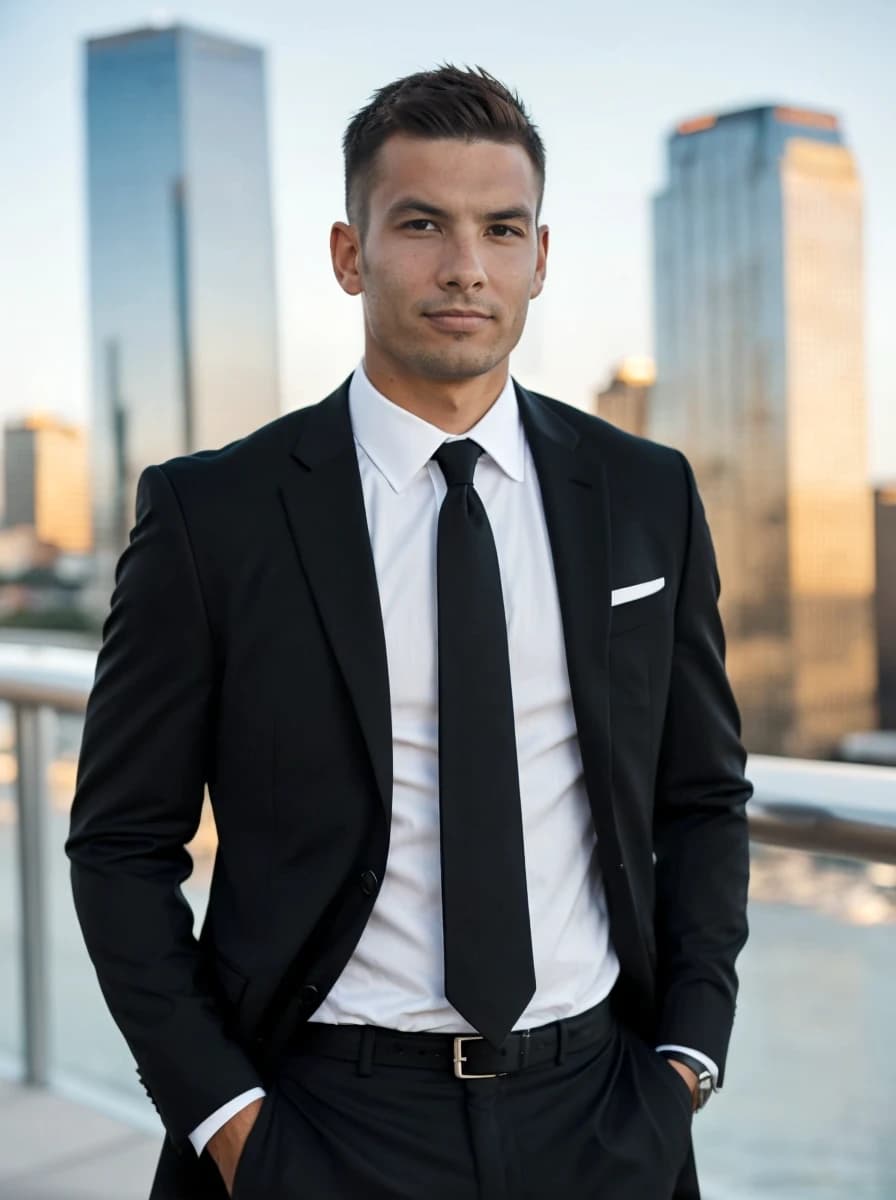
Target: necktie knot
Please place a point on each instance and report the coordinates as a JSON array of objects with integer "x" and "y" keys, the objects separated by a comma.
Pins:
[{"x": 458, "y": 461}]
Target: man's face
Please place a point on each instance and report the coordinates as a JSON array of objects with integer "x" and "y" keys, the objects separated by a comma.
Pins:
[{"x": 451, "y": 256}]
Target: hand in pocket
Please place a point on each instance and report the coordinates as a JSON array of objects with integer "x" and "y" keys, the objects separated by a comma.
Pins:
[{"x": 229, "y": 1143}]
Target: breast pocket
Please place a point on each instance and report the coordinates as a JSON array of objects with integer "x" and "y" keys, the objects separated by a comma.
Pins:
[{"x": 635, "y": 613}]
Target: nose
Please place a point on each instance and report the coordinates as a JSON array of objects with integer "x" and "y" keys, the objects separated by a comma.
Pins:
[{"x": 461, "y": 268}]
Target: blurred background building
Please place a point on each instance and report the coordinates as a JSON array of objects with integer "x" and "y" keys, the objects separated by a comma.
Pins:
[
  {"x": 46, "y": 482},
  {"x": 759, "y": 348},
  {"x": 46, "y": 536},
  {"x": 181, "y": 258},
  {"x": 625, "y": 399},
  {"x": 885, "y": 606}
]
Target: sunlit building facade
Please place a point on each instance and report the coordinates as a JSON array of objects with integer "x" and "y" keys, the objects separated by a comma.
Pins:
[
  {"x": 46, "y": 482},
  {"x": 759, "y": 349},
  {"x": 625, "y": 399},
  {"x": 885, "y": 596},
  {"x": 182, "y": 291}
]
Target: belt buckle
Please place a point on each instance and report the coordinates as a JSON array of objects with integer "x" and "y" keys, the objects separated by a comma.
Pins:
[{"x": 459, "y": 1058}]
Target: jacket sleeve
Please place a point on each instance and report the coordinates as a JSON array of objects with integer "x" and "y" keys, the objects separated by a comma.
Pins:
[
  {"x": 141, "y": 773},
  {"x": 701, "y": 838}
]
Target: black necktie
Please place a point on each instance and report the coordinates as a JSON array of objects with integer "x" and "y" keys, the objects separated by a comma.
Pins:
[{"x": 489, "y": 972}]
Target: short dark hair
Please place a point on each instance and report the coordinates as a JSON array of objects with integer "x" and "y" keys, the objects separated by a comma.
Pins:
[{"x": 448, "y": 102}]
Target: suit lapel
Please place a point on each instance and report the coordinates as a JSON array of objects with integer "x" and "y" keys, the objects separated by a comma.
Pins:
[
  {"x": 573, "y": 491},
  {"x": 325, "y": 508}
]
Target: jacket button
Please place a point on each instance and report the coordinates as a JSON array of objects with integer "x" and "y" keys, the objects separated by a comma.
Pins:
[
  {"x": 308, "y": 995},
  {"x": 369, "y": 883}
]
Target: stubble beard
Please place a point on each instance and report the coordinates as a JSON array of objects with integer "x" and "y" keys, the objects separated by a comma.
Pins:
[
  {"x": 453, "y": 360},
  {"x": 458, "y": 357},
  {"x": 453, "y": 364}
]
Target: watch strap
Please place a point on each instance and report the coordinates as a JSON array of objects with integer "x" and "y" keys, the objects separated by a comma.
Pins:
[{"x": 705, "y": 1083}]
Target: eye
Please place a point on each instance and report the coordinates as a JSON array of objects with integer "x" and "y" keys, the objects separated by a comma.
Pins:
[
  {"x": 503, "y": 231},
  {"x": 418, "y": 224}
]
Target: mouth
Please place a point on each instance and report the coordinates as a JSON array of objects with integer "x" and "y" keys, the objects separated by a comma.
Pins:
[{"x": 458, "y": 320}]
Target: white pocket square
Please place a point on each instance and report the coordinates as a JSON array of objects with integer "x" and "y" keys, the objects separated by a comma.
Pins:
[{"x": 636, "y": 591}]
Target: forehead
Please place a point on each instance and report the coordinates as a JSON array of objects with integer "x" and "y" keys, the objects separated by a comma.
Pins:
[{"x": 453, "y": 174}]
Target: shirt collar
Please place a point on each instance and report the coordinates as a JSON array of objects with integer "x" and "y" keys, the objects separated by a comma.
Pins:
[{"x": 399, "y": 443}]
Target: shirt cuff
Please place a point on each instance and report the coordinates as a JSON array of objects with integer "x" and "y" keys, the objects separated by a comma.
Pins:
[
  {"x": 704, "y": 1058},
  {"x": 203, "y": 1134}
]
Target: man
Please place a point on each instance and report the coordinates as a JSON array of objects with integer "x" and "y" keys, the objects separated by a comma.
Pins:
[{"x": 448, "y": 656}]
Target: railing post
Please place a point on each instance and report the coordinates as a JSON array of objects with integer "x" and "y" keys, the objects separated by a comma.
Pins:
[{"x": 33, "y": 733}]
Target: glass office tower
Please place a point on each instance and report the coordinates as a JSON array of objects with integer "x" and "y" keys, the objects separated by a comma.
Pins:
[
  {"x": 759, "y": 347},
  {"x": 183, "y": 311}
]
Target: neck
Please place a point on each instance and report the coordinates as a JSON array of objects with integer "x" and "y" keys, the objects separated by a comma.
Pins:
[{"x": 454, "y": 405}]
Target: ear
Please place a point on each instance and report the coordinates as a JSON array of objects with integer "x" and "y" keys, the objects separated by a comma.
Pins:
[
  {"x": 541, "y": 261},
  {"x": 345, "y": 253}
]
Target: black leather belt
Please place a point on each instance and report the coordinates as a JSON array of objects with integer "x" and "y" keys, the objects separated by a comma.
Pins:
[{"x": 468, "y": 1055}]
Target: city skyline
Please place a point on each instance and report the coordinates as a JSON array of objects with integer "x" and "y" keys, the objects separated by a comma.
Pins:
[{"x": 596, "y": 306}]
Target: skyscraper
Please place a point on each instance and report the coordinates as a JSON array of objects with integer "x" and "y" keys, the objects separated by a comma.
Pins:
[
  {"x": 46, "y": 482},
  {"x": 183, "y": 321},
  {"x": 759, "y": 347}
]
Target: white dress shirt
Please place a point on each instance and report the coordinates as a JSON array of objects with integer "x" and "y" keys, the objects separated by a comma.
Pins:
[{"x": 395, "y": 977}]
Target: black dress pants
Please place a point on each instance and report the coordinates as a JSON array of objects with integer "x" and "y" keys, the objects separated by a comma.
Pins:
[{"x": 611, "y": 1121}]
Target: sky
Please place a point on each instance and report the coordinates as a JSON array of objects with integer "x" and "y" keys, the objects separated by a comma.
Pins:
[{"x": 605, "y": 83}]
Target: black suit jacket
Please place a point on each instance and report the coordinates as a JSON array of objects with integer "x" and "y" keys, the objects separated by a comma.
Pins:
[{"x": 245, "y": 649}]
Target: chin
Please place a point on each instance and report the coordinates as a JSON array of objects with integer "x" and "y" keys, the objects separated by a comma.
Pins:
[{"x": 453, "y": 367}]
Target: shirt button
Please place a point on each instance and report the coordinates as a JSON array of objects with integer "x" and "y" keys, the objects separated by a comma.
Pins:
[
  {"x": 308, "y": 995},
  {"x": 369, "y": 883}
]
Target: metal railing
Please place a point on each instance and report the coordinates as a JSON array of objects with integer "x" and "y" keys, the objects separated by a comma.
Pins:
[
  {"x": 830, "y": 808},
  {"x": 37, "y": 682},
  {"x": 824, "y": 807}
]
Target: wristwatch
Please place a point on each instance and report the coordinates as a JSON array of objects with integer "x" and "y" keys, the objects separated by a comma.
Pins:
[{"x": 705, "y": 1085}]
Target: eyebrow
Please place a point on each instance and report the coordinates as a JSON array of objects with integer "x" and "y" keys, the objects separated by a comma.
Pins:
[{"x": 519, "y": 212}]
